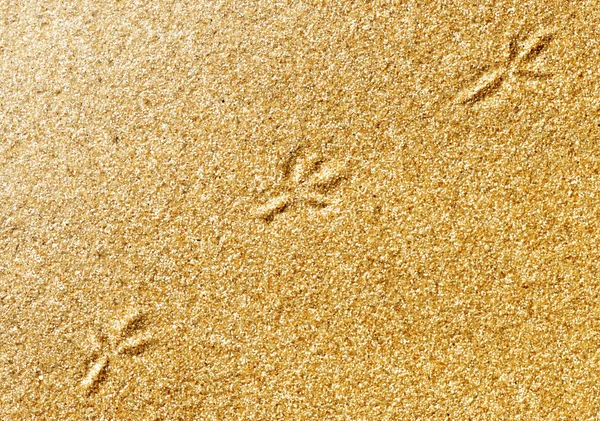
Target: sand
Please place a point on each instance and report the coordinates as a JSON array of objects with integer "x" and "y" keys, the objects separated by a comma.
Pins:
[{"x": 264, "y": 210}]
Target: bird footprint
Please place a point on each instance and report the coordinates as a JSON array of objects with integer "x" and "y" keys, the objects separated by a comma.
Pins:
[
  {"x": 122, "y": 340},
  {"x": 518, "y": 56},
  {"x": 308, "y": 180}
]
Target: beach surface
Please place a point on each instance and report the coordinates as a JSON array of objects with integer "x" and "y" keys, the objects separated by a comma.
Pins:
[{"x": 299, "y": 210}]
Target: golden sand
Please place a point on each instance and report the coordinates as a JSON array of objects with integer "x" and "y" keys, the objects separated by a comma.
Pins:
[{"x": 328, "y": 210}]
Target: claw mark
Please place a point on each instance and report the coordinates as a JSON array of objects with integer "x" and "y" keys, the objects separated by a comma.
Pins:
[
  {"x": 491, "y": 82},
  {"x": 488, "y": 84},
  {"x": 128, "y": 325},
  {"x": 534, "y": 47},
  {"x": 316, "y": 199},
  {"x": 95, "y": 374},
  {"x": 308, "y": 179},
  {"x": 273, "y": 207},
  {"x": 327, "y": 178},
  {"x": 513, "y": 49},
  {"x": 306, "y": 167},
  {"x": 120, "y": 342},
  {"x": 133, "y": 346},
  {"x": 287, "y": 167}
]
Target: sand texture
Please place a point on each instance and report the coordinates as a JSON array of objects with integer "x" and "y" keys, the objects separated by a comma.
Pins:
[{"x": 300, "y": 210}]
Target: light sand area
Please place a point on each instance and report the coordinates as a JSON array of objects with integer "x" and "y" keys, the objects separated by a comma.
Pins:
[{"x": 328, "y": 210}]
